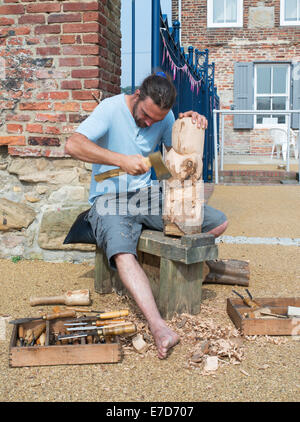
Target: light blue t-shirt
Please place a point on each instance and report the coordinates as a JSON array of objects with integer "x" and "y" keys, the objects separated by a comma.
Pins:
[{"x": 112, "y": 126}]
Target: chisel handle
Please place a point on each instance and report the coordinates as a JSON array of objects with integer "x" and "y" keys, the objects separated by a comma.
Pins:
[
  {"x": 55, "y": 315},
  {"x": 253, "y": 305},
  {"x": 116, "y": 331},
  {"x": 114, "y": 314},
  {"x": 109, "y": 322},
  {"x": 21, "y": 334}
]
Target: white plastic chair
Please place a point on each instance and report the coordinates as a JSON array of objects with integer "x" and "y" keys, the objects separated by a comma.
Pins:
[{"x": 279, "y": 137}]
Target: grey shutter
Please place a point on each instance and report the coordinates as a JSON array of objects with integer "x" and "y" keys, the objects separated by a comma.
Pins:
[
  {"x": 243, "y": 94},
  {"x": 295, "y": 95}
]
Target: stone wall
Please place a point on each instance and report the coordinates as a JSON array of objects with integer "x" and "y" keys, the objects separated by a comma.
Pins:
[
  {"x": 57, "y": 59},
  {"x": 260, "y": 39}
]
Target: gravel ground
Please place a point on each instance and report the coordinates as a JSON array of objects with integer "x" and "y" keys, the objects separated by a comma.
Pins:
[{"x": 269, "y": 370}]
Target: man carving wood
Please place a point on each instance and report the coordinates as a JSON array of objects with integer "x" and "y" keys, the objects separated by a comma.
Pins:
[{"x": 119, "y": 133}]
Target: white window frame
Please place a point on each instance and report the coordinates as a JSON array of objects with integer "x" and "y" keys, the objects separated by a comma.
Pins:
[
  {"x": 212, "y": 24},
  {"x": 268, "y": 125},
  {"x": 283, "y": 22}
]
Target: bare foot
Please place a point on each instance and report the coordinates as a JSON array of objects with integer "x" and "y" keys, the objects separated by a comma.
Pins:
[{"x": 165, "y": 339}]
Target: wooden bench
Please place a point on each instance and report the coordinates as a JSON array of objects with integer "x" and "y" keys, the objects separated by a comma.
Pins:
[{"x": 174, "y": 267}]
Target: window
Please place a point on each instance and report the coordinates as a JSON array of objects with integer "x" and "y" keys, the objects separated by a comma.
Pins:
[
  {"x": 271, "y": 84},
  {"x": 289, "y": 12},
  {"x": 224, "y": 13}
]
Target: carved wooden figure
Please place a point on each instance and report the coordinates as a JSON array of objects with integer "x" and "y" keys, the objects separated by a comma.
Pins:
[{"x": 184, "y": 191}]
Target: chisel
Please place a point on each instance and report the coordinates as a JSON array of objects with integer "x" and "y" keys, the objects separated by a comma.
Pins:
[
  {"x": 248, "y": 301},
  {"x": 106, "y": 331},
  {"x": 99, "y": 326},
  {"x": 97, "y": 323},
  {"x": 46, "y": 317}
]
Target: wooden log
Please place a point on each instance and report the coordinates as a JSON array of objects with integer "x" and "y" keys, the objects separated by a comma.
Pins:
[
  {"x": 184, "y": 191},
  {"x": 227, "y": 271}
]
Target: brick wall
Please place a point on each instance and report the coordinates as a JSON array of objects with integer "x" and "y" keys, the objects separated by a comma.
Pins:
[
  {"x": 254, "y": 42},
  {"x": 56, "y": 57}
]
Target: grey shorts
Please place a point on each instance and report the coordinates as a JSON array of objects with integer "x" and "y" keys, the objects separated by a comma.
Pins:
[{"x": 117, "y": 230}]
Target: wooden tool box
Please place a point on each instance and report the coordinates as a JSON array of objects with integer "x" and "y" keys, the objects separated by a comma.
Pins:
[
  {"x": 69, "y": 354},
  {"x": 238, "y": 311}
]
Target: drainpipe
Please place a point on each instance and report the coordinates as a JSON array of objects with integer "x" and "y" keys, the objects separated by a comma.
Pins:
[
  {"x": 179, "y": 18},
  {"x": 133, "y": 47},
  {"x": 155, "y": 36}
]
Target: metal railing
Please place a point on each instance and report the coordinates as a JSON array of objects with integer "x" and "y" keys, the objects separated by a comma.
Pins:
[
  {"x": 193, "y": 77},
  {"x": 219, "y": 145}
]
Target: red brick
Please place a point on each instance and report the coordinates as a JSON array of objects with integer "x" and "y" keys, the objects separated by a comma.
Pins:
[
  {"x": 35, "y": 106},
  {"x": 51, "y": 40},
  {"x": 67, "y": 39},
  {"x": 48, "y": 51},
  {"x": 17, "y": 117},
  {"x": 91, "y": 61},
  {"x": 66, "y": 106},
  {"x": 50, "y": 118},
  {"x": 77, "y": 118},
  {"x": 12, "y": 9},
  {"x": 34, "y": 128},
  {"x": 64, "y": 17},
  {"x": 81, "y": 50},
  {"x": 7, "y": 105},
  {"x": 6, "y": 21},
  {"x": 32, "y": 19},
  {"x": 59, "y": 95},
  {"x": 43, "y": 141},
  {"x": 91, "y": 38},
  {"x": 91, "y": 83},
  {"x": 91, "y": 16},
  {"x": 85, "y": 95},
  {"x": 70, "y": 85},
  {"x": 47, "y": 29},
  {"x": 14, "y": 128},
  {"x": 54, "y": 130},
  {"x": 81, "y": 27},
  {"x": 89, "y": 106},
  {"x": 70, "y": 61},
  {"x": 85, "y": 73},
  {"x": 43, "y": 8},
  {"x": 80, "y": 6},
  {"x": 12, "y": 140},
  {"x": 22, "y": 30}
]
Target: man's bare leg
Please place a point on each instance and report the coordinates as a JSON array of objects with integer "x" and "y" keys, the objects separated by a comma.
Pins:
[
  {"x": 217, "y": 231},
  {"x": 137, "y": 283}
]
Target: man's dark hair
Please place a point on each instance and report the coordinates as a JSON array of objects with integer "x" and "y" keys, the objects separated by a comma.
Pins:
[{"x": 160, "y": 89}]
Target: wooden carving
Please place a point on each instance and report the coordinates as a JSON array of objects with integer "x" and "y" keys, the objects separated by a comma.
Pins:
[{"x": 184, "y": 191}]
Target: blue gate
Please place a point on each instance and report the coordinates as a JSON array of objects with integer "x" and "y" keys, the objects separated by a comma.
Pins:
[{"x": 193, "y": 77}]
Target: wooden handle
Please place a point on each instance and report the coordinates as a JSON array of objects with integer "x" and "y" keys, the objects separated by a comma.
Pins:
[
  {"x": 46, "y": 300},
  {"x": 114, "y": 314},
  {"x": 109, "y": 322},
  {"x": 253, "y": 305},
  {"x": 37, "y": 331},
  {"x": 108, "y": 174},
  {"x": 56, "y": 315},
  {"x": 147, "y": 161},
  {"x": 115, "y": 331},
  {"x": 21, "y": 332}
]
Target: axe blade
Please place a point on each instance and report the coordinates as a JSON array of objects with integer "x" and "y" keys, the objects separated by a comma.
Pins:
[{"x": 157, "y": 162}]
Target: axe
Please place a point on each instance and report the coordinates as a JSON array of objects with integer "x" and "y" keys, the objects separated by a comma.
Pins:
[{"x": 154, "y": 160}]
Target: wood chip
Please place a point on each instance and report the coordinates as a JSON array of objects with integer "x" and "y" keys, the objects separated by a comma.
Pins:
[
  {"x": 139, "y": 344},
  {"x": 244, "y": 372},
  {"x": 211, "y": 363}
]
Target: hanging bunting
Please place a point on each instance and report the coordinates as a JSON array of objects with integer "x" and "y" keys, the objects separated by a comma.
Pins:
[{"x": 174, "y": 68}]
